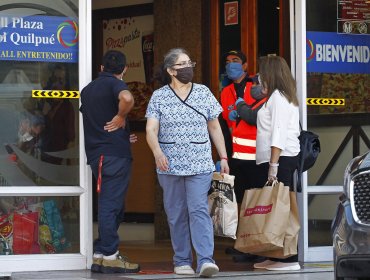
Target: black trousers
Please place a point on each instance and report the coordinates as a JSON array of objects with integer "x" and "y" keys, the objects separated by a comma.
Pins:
[
  {"x": 287, "y": 166},
  {"x": 248, "y": 175},
  {"x": 115, "y": 174}
]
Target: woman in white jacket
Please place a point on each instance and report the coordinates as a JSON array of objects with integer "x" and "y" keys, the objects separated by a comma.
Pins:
[{"x": 277, "y": 146}]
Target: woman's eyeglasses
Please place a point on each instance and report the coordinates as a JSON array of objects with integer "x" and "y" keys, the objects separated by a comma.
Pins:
[{"x": 186, "y": 64}]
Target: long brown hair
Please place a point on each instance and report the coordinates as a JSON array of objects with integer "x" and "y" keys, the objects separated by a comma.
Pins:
[{"x": 275, "y": 74}]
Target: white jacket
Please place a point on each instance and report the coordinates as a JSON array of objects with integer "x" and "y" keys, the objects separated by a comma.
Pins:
[{"x": 278, "y": 126}]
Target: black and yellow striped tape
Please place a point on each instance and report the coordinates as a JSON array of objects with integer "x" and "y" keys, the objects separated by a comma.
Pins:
[
  {"x": 55, "y": 94},
  {"x": 325, "y": 101}
]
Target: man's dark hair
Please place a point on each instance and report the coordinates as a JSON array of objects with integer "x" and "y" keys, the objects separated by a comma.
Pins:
[
  {"x": 237, "y": 53},
  {"x": 114, "y": 62}
]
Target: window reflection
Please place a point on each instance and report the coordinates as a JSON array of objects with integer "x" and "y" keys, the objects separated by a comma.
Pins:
[
  {"x": 319, "y": 222},
  {"x": 39, "y": 225},
  {"x": 353, "y": 88},
  {"x": 338, "y": 85},
  {"x": 39, "y": 137},
  {"x": 53, "y": 8}
]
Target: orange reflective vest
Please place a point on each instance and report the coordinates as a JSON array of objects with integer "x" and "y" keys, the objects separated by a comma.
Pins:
[{"x": 243, "y": 134}]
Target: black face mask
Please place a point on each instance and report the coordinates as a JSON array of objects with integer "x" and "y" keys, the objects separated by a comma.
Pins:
[{"x": 184, "y": 75}]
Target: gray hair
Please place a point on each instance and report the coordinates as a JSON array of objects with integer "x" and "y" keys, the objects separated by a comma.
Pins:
[{"x": 171, "y": 57}]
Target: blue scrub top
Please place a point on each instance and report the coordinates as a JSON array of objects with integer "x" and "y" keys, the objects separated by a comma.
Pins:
[{"x": 183, "y": 128}]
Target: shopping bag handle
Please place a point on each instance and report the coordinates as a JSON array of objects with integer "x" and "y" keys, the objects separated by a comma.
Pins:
[
  {"x": 218, "y": 176},
  {"x": 271, "y": 183}
]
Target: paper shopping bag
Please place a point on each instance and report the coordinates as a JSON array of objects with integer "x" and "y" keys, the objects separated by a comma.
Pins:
[
  {"x": 25, "y": 232},
  {"x": 223, "y": 207},
  {"x": 291, "y": 233},
  {"x": 56, "y": 227},
  {"x": 263, "y": 219},
  {"x": 6, "y": 234}
]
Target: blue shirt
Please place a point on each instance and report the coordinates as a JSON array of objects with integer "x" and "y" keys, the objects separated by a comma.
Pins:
[
  {"x": 99, "y": 104},
  {"x": 183, "y": 128}
]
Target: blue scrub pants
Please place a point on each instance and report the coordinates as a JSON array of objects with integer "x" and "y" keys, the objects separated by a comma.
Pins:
[
  {"x": 111, "y": 201},
  {"x": 185, "y": 201}
]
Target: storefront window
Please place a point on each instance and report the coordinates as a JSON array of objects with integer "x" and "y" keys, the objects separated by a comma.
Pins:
[
  {"x": 39, "y": 143},
  {"x": 40, "y": 188},
  {"x": 338, "y": 83},
  {"x": 319, "y": 223},
  {"x": 39, "y": 225},
  {"x": 338, "y": 101}
]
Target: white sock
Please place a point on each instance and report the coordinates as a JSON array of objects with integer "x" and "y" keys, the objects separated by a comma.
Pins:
[
  {"x": 111, "y": 257},
  {"x": 97, "y": 256}
]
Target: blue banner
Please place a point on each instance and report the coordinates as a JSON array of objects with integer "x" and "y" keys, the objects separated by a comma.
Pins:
[
  {"x": 329, "y": 52},
  {"x": 39, "y": 38}
]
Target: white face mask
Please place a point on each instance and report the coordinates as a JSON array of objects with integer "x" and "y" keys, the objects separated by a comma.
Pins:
[
  {"x": 25, "y": 137},
  {"x": 123, "y": 74},
  {"x": 261, "y": 82}
]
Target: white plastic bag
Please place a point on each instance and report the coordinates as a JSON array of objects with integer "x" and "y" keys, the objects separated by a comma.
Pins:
[{"x": 223, "y": 207}]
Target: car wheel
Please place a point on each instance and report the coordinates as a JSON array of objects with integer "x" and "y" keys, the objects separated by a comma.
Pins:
[
  {"x": 335, "y": 274},
  {"x": 335, "y": 267}
]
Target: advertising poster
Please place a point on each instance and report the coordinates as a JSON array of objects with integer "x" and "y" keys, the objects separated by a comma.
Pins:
[
  {"x": 353, "y": 16},
  {"x": 134, "y": 37},
  {"x": 353, "y": 9},
  {"x": 338, "y": 66},
  {"x": 329, "y": 52},
  {"x": 39, "y": 38},
  {"x": 231, "y": 10}
]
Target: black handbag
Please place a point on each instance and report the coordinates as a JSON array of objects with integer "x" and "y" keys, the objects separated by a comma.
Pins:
[{"x": 310, "y": 149}]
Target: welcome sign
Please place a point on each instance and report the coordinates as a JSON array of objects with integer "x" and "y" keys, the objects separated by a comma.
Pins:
[
  {"x": 329, "y": 52},
  {"x": 39, "y": 38}
]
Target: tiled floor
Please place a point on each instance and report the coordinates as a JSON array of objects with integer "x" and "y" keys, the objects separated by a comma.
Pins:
[
  {"x": 257, "y": 275},
  {"x": 304, "y": 274},
  {"x": 156, "y": 263}
]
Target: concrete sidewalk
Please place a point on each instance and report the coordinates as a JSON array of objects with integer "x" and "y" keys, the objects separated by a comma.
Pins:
[{"x": 310, "y": 271}]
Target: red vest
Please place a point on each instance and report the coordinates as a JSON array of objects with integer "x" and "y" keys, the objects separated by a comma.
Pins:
[{"x": 243, "y": 134}]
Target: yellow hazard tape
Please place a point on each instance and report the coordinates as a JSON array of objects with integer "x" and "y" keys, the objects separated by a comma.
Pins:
[
  {"x": 325, "y": 101},
  {"x": 321, "y": 265},
  {"x": 55, "y": 94}
]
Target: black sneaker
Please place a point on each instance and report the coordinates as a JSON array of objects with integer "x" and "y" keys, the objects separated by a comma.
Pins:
[
  {"x": 119, "y": 265},
  {"x": 240, "y": 256},
  {"x": 96, "y": 266},
  {"x": 233, "y": 251},
  {"x": 247, "y": 258}
]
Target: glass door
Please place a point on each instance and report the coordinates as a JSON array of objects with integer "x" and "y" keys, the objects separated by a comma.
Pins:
[
  {"x": 43, "y": 188},
  {"x": 333, "y": 83}
]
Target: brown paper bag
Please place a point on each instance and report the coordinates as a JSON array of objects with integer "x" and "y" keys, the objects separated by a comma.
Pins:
[
  {"x": 291, "y": 233},
  {"x": 263, "y": 219}
]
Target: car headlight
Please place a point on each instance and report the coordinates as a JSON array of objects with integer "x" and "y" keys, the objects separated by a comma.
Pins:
[
  {"x": 347, "y": 176},
  {"x": 355, "y": 163}
]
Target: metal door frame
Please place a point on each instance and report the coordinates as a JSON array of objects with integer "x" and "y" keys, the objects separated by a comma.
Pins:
[
  {"x": 83, "y": 259},
  {"x": 299, "y": 70}
]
